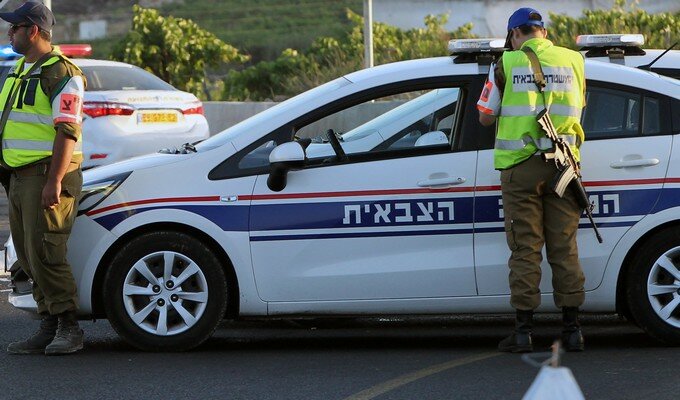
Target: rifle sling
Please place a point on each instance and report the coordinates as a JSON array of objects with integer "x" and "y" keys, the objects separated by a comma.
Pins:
[{"x": 539, "y": 78}]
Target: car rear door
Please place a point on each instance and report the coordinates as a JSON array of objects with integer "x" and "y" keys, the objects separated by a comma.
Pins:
[{"x": 624, "y": 162}]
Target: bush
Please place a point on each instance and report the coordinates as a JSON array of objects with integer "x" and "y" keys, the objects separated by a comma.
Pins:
[
  {"x": 660, "y": 30},
  {"x": 176, "y": 50},
  {"x": 329, "y": 58}
]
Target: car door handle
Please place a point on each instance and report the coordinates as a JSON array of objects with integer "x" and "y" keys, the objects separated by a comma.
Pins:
[
  {"x": 448, "y": 181},
  {"x": 641, "y": 162}
]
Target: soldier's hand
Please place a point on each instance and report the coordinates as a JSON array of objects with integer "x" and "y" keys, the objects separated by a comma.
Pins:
[{"x": 50, "y": 195}]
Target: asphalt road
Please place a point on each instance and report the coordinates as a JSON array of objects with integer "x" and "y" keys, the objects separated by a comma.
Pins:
[
  {"x": 358, "y": 359},
  {"x": 392, "y": 358}
]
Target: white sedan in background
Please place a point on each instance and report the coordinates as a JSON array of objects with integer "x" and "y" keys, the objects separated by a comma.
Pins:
[{"x": 129, "y": 112}]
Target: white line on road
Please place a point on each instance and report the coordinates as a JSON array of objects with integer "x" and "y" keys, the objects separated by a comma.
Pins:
[{"x": 392, "y": 384}]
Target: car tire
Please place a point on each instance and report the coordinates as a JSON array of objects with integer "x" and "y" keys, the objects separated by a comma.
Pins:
[
  {"x": 653, "y": 286},
  {"x": 165, "y": 291}
]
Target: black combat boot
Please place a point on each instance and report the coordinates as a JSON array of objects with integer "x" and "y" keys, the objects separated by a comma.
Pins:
[
  {"x": 36, "y": 344},
  {"x": 69, "y": 337},
  {"x": 520, "y": 340},
  {"x": 572, "y": 338}
]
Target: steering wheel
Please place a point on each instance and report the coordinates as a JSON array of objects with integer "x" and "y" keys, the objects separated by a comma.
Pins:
[{"x": 335, "y": 144}]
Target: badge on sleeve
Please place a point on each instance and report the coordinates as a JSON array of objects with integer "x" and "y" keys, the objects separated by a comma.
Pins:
[{"x": 69, "y": 104}]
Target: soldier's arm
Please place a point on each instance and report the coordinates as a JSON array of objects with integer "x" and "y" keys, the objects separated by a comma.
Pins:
[
  {"x": 489, "y": 103},
  {"x": 66, "y": 92}
]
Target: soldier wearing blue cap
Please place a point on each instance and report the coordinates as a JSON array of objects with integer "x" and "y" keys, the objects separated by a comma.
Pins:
[
  {"x": 534, "y": 214},
  {"x": 41, "y": 147}
]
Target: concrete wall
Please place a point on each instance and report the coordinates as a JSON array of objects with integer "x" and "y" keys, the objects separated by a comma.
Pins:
[
  {"x": 490, "y": 17},
  {"x": 223, "y": 114}
]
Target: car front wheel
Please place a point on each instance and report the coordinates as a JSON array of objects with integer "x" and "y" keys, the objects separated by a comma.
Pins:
[
  {"x": 653, "y": 289},
  {"x": 165, "y": 291}
]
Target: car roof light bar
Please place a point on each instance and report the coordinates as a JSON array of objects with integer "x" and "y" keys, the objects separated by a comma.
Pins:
[
  {"x": 462, "y": 46},
  {"x": 480, "y": 51},
  {"x": 614, "y": 46},
  {"x": 610, "y": 40}
]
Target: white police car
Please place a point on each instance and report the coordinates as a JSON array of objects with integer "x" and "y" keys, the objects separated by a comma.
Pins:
[
  {"x": 129, "y": 111},
  {"x": 396, "y": 211}
]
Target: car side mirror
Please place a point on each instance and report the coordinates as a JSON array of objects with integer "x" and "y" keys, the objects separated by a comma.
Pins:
[
  {"x": 285, "y": 157},
  {"x": 432, "y": 139}
]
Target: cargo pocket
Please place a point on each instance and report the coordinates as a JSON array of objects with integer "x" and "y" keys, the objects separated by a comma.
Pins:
[
  {"x": 510, "y": 234},
  {"x": 54, "y": 248}
]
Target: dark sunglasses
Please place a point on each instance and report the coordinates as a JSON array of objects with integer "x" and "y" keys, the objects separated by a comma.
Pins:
[{"x": 14, "y": 28}]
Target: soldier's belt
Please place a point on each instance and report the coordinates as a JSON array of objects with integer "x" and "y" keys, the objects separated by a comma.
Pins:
[{"x": 40, "y": 169}]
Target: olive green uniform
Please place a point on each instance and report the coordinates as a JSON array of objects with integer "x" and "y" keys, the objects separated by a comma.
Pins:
[
  {"x": 534, "y": 215},
  {"x": 40, "y": 235}
]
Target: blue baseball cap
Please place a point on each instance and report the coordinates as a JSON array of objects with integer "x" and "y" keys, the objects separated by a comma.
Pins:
[{"x": 523, "y": 17}]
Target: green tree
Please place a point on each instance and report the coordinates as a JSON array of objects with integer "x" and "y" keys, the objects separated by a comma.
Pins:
[
  {"x": 660, "y": 30},
  {"x": 175, "y": 49},
  {"x": 328, "y": 58}
]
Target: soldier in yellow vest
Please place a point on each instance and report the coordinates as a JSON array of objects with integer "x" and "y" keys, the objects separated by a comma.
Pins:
[
  {"x": 41, "y": 146},
  {"x": 534, "y": 215}
]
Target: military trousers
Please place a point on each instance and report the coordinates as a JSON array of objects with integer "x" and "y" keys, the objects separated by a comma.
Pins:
[
  {"x": 535, "y": 216},
  {"x": 40, "y": 237}
]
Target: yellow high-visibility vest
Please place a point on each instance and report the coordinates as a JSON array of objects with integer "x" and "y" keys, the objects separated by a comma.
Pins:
[
  {"x": 519, "y": 136},
  {"x": 29, "y": 133}
]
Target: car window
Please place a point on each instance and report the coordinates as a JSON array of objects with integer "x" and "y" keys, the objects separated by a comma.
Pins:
[
  {"x": 392, "y": 123},
  {"x": 675, "y": 112},
  {"x": 107, "y": 77},
  {"x": 403, "y": 121},
  {"x": 651, "y": 119},
  {"x": 611, "y": 113}
]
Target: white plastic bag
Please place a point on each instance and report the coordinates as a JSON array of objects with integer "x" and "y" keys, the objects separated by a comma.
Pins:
[{"x": 554, "y": 383}]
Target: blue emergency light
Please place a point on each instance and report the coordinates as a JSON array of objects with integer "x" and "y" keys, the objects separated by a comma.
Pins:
[{"x": 7, "y": 53}]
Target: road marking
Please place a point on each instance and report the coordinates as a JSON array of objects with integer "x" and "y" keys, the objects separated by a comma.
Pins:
[{"x": 392, "y": 384}]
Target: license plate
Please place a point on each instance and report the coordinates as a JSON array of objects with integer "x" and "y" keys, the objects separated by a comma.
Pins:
[{"x": 155, "y": 118}]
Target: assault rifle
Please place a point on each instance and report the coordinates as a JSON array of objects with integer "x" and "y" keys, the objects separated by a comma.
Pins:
[{"x": 570, "y": 171}]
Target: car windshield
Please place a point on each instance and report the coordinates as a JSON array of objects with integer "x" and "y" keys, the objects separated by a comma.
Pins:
[
  {"x": 108, "y": 77},
  {"x": 246, "y": 127}
]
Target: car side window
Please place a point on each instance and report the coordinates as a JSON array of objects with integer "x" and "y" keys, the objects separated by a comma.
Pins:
[
  {"x": 651, "y": 119},
  {"x": 258, "y": 157},
  {"x": 612, "y": 113},
  {"x": 415, "y": 120}
]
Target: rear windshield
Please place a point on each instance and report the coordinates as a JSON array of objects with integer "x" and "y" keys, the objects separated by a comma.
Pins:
[{"x": 107, "y": 77}]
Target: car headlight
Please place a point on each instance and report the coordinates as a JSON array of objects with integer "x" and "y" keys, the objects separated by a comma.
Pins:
[{"x": 96, "y": 191}]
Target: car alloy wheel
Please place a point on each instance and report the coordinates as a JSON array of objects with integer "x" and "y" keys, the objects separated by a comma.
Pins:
[
  {"x": 165, "y": 293},
  {"x": 652, "y": 285},
  {"x": 663, "y": 287}
]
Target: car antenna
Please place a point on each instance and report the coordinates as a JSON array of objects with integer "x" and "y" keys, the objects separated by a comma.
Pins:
[{"x": 648, "y": 67}]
